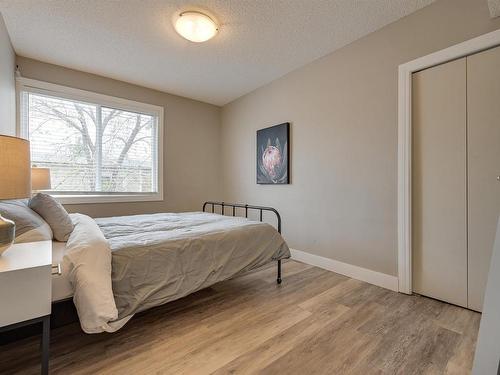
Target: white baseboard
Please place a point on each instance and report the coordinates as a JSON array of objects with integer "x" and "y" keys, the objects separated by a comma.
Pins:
[{"x": 372, "y": 277}]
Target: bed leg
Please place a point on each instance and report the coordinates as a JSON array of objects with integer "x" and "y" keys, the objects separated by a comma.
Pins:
[{"x": 278, "y": 280}]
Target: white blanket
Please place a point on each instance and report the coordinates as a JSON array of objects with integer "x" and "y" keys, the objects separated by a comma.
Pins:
[{"x": 88, "y": 263}]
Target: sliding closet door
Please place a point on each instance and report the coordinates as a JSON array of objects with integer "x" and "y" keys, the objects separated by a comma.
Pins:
[
  {"x": 439, "y": 182},
  {"x": 483, "y": 133}
]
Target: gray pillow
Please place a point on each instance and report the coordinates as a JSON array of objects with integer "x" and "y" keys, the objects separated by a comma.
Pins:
[
  {"x": 54, "y": 213},
  {"x": 30, "y": 227}
]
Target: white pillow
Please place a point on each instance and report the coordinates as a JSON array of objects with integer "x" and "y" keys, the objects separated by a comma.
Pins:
[
  {"x": 30, "y": 227},
  {"x": 54, "y": 214}
]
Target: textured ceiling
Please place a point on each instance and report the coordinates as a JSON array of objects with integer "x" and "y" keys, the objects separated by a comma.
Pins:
[{"x": 134, "y": 40}]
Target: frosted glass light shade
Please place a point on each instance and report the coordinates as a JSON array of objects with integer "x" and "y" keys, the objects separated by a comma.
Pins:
[
  {"x": 196, "y": 26},
  {"x": 40, "y": 178},
  {"x": 15, "y": 168}
]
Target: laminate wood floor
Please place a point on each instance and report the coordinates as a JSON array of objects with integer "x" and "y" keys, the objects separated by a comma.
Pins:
[{"x": 316, "y": 322}]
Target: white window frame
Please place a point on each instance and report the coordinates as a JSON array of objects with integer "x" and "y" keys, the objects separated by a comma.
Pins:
[{"x": 65, "y": 92}]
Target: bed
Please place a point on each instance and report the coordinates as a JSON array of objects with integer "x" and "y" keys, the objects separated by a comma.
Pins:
[{"x": 118, "y": 266}]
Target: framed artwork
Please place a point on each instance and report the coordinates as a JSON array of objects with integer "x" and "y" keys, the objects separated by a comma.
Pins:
[{"x": 273, "y": 154}]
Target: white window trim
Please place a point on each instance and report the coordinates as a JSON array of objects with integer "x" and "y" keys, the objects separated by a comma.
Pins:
[{"x": 32, "y": 85}]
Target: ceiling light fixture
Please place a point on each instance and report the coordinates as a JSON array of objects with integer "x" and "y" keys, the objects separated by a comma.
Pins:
[{"x": 195, "y": 26}]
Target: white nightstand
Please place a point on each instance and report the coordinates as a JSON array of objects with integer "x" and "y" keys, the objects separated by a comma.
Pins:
[{"x": 26, "y": 289}]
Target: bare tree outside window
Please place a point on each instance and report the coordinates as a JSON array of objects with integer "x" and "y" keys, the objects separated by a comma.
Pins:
[{"x": 92, "y": 148}]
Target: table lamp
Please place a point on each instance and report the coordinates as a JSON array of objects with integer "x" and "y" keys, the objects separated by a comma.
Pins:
[
  {"x": 15, "y": 180},
  {"x": 40, "y": 178}
]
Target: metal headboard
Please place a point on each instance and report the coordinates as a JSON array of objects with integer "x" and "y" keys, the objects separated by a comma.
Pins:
[{"x": 247, "y": 207}]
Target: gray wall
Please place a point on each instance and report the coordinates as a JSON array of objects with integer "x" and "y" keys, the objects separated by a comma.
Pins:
[
  {"x": 7, "y": 83},
  {"x": 191, "y": 143},
  {"x": 342, "y": 201}
]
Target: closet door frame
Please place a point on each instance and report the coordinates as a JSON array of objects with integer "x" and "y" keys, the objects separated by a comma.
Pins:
[{"x": 405, "y": 72}]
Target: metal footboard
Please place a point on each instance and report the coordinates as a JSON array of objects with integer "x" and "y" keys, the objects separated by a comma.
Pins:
[{"x": 234, "y": 206}]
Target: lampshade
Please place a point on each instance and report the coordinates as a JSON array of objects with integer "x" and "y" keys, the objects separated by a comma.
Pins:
[
  {"x": 40, "y": 178},
  {"x": 15, "y": 168}
]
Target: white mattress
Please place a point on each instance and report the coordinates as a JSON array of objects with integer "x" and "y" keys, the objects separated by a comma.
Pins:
[{"x": 61, "y": 287}]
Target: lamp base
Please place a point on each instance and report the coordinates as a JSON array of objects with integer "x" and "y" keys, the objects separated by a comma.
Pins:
[{"x": 7, "y": 233}]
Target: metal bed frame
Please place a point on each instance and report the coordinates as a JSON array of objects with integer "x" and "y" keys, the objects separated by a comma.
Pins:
[{"x": 247, "y": 207}]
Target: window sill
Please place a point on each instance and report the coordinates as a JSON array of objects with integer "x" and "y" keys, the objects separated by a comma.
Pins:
[{"x": 88, "y": 199}]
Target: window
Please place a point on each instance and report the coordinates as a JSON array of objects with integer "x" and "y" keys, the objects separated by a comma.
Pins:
[{"x": 98, "y": 148}]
